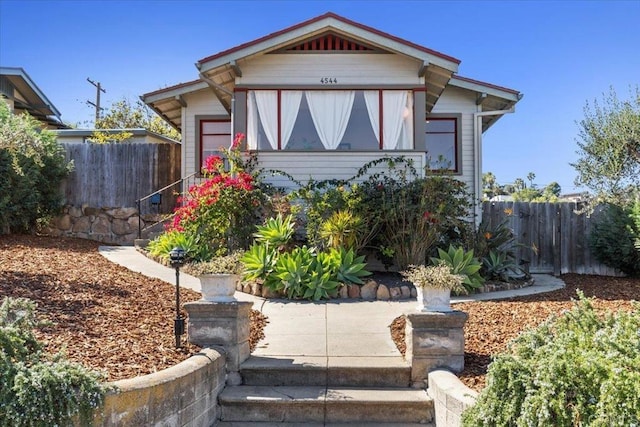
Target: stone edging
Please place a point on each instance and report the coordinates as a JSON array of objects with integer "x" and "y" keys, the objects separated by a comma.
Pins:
[
  {"x": 450, "y": 397},
  {"x": 183, "y": 394}
]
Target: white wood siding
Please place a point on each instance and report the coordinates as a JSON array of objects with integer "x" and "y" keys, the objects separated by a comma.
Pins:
[
  {"x": 456, "y": 101},
  {"x": 349, "y": 69},
  {"x": 325, "y": 165},
  {"x": 201, "y": 103}
]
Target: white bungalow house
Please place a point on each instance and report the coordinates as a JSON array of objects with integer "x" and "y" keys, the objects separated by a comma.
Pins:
[{"x": 323, "y": 97}]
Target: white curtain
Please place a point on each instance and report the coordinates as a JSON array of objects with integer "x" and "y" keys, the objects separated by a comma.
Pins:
[
  {"x": 267, "y": 102},
  {"x": 372, "y": 100},
  {"x": 406, "y": 136},
  {"x": 290, "y": 104},
  {"x": 394, "y": 103},
  {"x": 330, "y": 111},
  {"x": 252, "y": 122}
]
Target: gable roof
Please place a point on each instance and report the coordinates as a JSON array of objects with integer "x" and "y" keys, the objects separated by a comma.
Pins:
[
  {"x": 221, "y": 69},
  {"x": 31, "y": 99}
]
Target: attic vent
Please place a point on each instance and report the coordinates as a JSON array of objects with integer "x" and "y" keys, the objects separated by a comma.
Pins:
[{"x": 329, "y": 42}]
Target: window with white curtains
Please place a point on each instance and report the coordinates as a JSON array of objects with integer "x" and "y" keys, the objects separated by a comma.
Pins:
[{"x": 316, "y": 120}]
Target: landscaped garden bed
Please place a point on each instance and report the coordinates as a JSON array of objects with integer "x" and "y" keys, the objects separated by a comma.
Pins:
[{"x": 112, "y": 319}]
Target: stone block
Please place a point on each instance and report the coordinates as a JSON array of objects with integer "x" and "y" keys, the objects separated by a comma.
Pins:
[
  {"x": 343, "y": 292},
  {"x": 90, "y": 211},
  {"x": 368, "y": 290},
  {"x": 101, "y": 225},
  {"x": 122, "y": 213},
  {"x": 382, "y": 293},
  {"x": 406, "y": 291},
  {"x": 395, "y": 293},
  {"x": 120, "y": 227},
  {"x": 63, "y": 222},
  {"x": 81, "y": 225},
  {"x": 353, "y": 291}
]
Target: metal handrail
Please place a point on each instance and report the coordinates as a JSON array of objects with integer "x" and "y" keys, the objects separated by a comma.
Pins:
[{"x": 140, "y": 200}]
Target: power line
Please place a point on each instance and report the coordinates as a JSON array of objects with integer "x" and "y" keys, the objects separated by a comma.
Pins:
[{"x": 97, "y": 103}]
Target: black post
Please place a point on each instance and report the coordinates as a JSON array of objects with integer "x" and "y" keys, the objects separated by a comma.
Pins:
[
  {"x": 139, "y": 220},
  {"x": 177, "y": 256},
  {"x": 178, "y": 326}
]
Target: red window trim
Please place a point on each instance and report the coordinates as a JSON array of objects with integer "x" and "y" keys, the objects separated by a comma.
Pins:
[{"x": 279, "y": 92}]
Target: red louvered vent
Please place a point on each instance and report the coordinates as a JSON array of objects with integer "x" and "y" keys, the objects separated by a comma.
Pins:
[{"x": 330, "y": 42}]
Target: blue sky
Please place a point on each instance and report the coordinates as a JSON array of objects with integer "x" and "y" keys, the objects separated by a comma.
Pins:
[{"x": 558, "y": 54}]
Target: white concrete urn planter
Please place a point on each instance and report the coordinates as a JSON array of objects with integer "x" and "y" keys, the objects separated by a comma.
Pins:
[
  {"x": 433, "y": 299},
  {"x": 218, "y": 287}
]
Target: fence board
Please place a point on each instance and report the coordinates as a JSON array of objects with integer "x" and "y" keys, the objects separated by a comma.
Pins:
[
  {"x": 116, "y": 175},
  {"x": 559, "y": 234}
]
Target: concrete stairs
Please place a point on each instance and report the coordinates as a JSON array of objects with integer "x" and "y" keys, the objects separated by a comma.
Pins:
[{"x": 325, "y": 391}]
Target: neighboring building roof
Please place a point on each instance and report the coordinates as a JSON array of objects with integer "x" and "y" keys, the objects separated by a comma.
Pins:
[
  {"x": 29, "y": 97},
  {"x": 86, "y": 133}
]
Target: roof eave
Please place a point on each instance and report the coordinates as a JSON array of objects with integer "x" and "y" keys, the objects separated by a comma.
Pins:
[{"x": 21, "y": 73}]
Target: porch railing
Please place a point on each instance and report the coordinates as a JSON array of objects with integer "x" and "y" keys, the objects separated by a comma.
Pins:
[{"x": 155, "y": 201}]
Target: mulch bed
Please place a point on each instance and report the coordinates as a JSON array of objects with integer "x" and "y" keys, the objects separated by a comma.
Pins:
[
  {"x": 103, "y": 315},
  {"x": 492, "y": 324}
]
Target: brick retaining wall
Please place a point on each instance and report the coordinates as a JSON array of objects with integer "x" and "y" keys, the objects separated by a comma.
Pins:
[{"x": 450, "y": 397}]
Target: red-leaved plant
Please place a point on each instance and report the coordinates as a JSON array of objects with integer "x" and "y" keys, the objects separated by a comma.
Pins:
[{"x": 221, "y": 210}]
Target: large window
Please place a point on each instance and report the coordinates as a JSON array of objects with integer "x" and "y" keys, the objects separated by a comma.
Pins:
[
  {"x": 214, "y": 134},
  {"x": 317, "y": 120},
  {"x": 441, "y": 143}
]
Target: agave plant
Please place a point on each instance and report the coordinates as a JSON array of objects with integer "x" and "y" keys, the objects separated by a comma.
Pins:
[
  {"x": 500, "y": 265},
  {"x": 347, "y": 267},
  {"x": 276, "y": 232},
  {"x": 461, "y": 263}
]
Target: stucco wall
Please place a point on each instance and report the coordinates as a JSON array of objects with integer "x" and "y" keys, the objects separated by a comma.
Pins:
[{"x": 183, "y": 395}]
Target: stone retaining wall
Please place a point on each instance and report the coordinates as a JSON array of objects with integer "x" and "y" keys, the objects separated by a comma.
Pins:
[
  {"x": 450, "y": 397},
  {"x": 114, "y": 226},
  {"x": 183, "y": 395}
]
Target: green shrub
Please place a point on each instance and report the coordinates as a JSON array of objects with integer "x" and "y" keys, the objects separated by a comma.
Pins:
[
  {"x": 162, "y": 245},
  {"x": 32, "y": 167},
  {"x": 342, "y": 229},
  {"x": 461, "y": 263},
  {"x": 576, "y": 369},
  {"x": 613, "y": 239},
  {"x": 38, "y": 390}
]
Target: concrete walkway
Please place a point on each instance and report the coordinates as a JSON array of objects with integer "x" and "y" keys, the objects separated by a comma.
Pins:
[{"x": 335, "y": 330}]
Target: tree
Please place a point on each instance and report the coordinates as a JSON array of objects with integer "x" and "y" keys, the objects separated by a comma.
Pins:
[
  {"x": 124, "y": 115},
  {"x": 609, "y": 148},
  {"x": 32, "y": 166},
  {"x": 490, "y": 185},
  {"x": 531, "y": 177}
]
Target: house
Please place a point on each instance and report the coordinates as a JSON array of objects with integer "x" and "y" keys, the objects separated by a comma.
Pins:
[
  {"x": 323, "y": 97},
  {"x": 80, "y": 136},
  {"x": 22, "y": 95}
]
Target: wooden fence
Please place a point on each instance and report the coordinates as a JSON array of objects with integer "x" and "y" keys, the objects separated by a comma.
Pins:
[
  {"x": 116, "y": 175},
  {"x": 554, "y": 238}
]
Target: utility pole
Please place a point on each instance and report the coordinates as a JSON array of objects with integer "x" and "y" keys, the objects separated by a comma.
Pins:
[{"x": 97, "y": 103}]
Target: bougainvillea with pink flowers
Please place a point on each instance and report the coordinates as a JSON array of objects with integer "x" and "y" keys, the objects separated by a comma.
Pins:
[{"x": 222, "y": 209}]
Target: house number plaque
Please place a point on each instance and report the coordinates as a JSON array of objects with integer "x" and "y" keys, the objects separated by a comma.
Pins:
[{"x": 328, "y": 80}]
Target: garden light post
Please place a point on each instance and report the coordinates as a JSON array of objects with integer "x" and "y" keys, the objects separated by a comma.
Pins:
[{"x": 177, "y": 257}]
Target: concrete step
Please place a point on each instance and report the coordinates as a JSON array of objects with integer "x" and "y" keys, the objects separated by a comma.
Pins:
[
  {"x": 331, "y": 371},
  {"x": 317, "y": 404}
]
